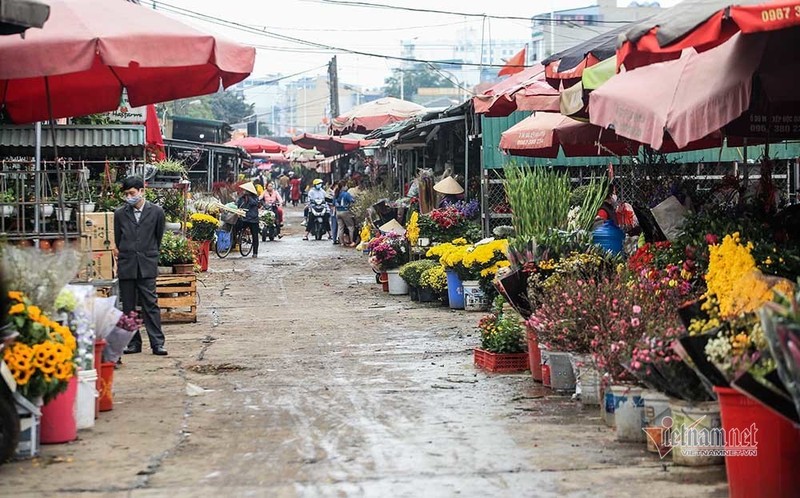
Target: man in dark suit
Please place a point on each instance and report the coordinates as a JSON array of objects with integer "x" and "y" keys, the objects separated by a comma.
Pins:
[{"x": 138, "y": 228}]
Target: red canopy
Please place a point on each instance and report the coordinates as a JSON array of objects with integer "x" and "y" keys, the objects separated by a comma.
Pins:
[
  {"x": 255, "y": 145},
  {"x": 90, "y": 50},
  {"x": 542, "y": 134},
  {"x": 702, "y": 24},
  {"x": 372, "y": 115},
  {"x": 689, "y": 98},
  {"x": 329, "y": 145},
  {"x": 524, "y": 91}
]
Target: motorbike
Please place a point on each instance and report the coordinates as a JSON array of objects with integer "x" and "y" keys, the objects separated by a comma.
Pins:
[
  {"x": 9, "y": 419},
  {"x": 269, "y": 224},
  {"x": 319, "y": 215}
]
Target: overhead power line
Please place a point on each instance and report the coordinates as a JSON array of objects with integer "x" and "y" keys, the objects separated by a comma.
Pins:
[{"x": 543, "y": 18}]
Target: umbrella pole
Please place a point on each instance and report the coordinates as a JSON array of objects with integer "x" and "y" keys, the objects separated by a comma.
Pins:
[
  {"x": 37, "y": 181},
  {"x": 62, "y": 223}
]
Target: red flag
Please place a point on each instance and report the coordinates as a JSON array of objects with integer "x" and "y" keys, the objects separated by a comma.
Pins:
[
  {"x": 155, "y": 144},
  {"x": 515, "y": 64}
]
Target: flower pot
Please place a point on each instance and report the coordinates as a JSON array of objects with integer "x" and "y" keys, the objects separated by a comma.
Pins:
[
  {"x": 106, "y": 386},
  {"x": 656, "y": 409},
  {"x": 690, "y": 422},
  {"x": 628, "y": 413},
  {"x": 444, "y": 298},
  {"x": 397, "y": 286},
  {"x": 500, "y": 362},
  {"x": 772, "y": 471},
  {"x": 63, "y": 214},
  {"x": 561, "y": 376},
  {"x": 455, "y": 290},
  {"x": 86, "y": 398},
  {"x": 534, "y": 356},
  {"x": 58, "y": 423},
  {"x": 413, "y": 293},
  {"x": 426, "y": 295},
  {"x": 587, "y": 379},
  {"x": 99, "y": 346},
  {"x": 86, "y": 207},
  {"x": 7, "y": 211},
  {"x": 183, "y": 268},
  {"x": 46, "y": 210},
  {"x": 544, "y": 354},
  {"x": 172, "y": 226},
  {"x": 202, "y": 253},
  {"x": 474, "y": 297},
  {"x": 164, "y": 270}
]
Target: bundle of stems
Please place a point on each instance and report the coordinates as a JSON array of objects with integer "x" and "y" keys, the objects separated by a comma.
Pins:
[{"x": 539, "y": 200}]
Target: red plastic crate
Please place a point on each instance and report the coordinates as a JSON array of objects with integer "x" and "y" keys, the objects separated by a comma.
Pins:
[{"x": 496, "y": 362}]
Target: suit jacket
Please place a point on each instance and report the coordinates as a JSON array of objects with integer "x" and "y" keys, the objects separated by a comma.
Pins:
[{"x": 138, "y": 243}]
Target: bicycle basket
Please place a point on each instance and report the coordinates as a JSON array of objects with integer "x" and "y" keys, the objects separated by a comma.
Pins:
[
  {"x": 229, "y": 218},
  {"x": 223, "y": 240}
]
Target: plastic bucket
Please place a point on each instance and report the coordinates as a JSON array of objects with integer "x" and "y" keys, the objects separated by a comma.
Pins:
[
  {"x": 587, "y": 379},
  {"x": 397, "y": 286},
  {"x": 772, "y": 472},
  {"x": 106, "y": 395},
  {"x": 474, "y": 297},
  {"x": 628, "y": 410},
  {"x": 384, "y": 279},
  {"x": 455, "y": 290},
  {"x": 99, "y": 346},
  {"x": 534, "y": 356},
  {"x": 58, "y": 417},
  {"x": 695, "y": 422},
  {"x": 87, "y": 398},
  {"x": 607, "y": 407},
  {"x": 562, "y": 377},
  {"x": 545, "y": 355},
  {"x": 656, "y": 410}
]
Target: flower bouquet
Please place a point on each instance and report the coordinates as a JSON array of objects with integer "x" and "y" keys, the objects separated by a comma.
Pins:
[
  {"x": 119, "y": 337},
  {"x": 267, "y": 217},
  {"x": 388, "y": 251},
  {"x": 42, "y": 358},
  {"x": 448, "y": 223}
]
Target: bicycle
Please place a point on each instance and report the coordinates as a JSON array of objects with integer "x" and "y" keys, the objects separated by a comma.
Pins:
[{"x": 229, "y": 236}]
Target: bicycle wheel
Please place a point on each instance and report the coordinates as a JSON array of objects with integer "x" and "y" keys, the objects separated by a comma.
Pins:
[
  {"x": 245, "y": 241},
  {"x": 224, "y": 242}
]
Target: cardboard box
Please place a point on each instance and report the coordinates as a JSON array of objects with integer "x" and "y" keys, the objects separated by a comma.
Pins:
[
  {"x": 100, "y": 265},
  {"x": 98, "y": 229}
]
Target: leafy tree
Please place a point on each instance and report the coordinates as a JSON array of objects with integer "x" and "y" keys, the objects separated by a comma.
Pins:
[
  {"x": 417, "y": 77},
  {"x": 225, "y": 106}
]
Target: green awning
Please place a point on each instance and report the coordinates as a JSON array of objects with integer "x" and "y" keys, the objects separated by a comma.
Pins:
[{"x": 123, "y": 140}]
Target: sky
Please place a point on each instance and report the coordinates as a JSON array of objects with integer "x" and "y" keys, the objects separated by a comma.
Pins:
[{"x": 358, "y": 28}]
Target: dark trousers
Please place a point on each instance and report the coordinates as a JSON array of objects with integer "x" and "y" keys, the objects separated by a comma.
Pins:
[
  {"x": 254, "y": 231},
  {"x": 143, "y": 291}
]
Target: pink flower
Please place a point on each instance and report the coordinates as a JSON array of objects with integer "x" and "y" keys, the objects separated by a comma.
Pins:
[
  {"x": 635, "y": 322},
  {"x": 637, "y": 309}
]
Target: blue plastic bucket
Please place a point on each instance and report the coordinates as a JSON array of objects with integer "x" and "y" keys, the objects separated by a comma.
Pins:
[
  {"x": 455, "y": 290},
  {"x": 223, "y": 240}
]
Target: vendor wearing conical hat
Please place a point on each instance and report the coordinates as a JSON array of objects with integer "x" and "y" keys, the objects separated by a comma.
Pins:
[
  {"x": 450, "y": 190},
  {"x": 248, "y": 202}
]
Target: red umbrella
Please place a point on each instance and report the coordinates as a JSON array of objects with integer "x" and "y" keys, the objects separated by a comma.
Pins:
[
  {"x": 90, "y": 50},
  {"x": 688, "y": 98},
  {"x": 329, "y": 145},
  {"x": 702, "y": 24},
  {"x": 255, "y": 144},
  {"x": 542, "y": 134},
  {"x": 372, "y": 115},
  {"x": 524, "y": 91}
]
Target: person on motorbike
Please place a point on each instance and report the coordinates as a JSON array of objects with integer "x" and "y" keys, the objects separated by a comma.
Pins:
[
  {"x": 271, "y": 197},
  {"x": 315, "y": 193}
]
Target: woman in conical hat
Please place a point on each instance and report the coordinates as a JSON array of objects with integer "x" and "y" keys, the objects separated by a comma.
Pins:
[
  {"x": 249, "y": 203},
  {"x": 450, "y": 189}
]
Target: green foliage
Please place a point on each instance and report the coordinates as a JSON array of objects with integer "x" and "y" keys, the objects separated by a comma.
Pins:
[
  {"x": 170, "y": 166},
  {"x": 175, "y": 250},
  {"x": 170, "y": 200},
  {"x": 503, "y": 334},
  {"x": 418, "y": 77},
  {"x": 227, "y": 106},
  {"x": 411, "y": 272},
  {"x": 111, "y": 199}
]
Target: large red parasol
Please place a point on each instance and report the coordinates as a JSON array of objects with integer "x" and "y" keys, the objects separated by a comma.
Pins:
[
  {"x": 544, "y": 133},
  {"x": 329, "y": 145},
  {"x": 688, "y": 98},
  {"x": 372, "y": 115},
  {"x": 524, "y": 91},
  {"x": 89, "y": 51},
  {"x": 256, "y": 145},
  {"x": 702, "y": 24}
]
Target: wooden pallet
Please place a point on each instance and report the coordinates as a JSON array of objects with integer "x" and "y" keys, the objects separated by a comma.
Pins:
[{"x": 177, "y": 297}]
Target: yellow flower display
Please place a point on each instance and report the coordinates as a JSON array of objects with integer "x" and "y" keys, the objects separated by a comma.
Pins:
[
  {"x": 42, "y": 359},
  {"x": 412, "y": 229}
]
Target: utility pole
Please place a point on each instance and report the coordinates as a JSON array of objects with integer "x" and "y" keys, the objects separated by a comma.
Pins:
[{"x": 333, "y": 82}]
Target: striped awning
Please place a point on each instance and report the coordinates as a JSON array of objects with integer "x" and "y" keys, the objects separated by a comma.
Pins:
[{"x": 72, "y": 139}]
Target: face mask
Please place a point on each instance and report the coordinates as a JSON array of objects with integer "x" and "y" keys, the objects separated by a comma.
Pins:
[
  {"x": 318, "y": 187},
  {"x": 614, "y": 198},
  {"x": 133, "y": 200}
]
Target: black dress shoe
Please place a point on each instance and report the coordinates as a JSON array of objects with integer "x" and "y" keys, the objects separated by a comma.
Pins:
[
  {"x": 133, "y": 349},
  {"x": 160, "y": 351}
]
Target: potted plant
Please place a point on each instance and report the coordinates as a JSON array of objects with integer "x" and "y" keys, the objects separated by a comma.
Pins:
[
  {"x": 411, "y": 273},
  {"x": 200, "y": 229},
  {"x": 170, "y": 170},
  {"x": 433, "y": 285},
  {"x": 6, "y": 198},
  {"x": 387, "y": 253},
  {"x": 502, "y": 342},
  {"x": 176, "y": 252}
]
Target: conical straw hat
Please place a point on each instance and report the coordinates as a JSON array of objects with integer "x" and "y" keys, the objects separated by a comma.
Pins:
[
  {"x": 249, "y": 187},
  {"x": 393, "y": 226},
  {"x": 448, "y": 185}
]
